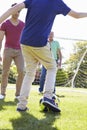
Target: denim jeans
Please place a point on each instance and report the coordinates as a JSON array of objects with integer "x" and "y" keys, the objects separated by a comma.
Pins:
[{"x": 42, "y": 79}]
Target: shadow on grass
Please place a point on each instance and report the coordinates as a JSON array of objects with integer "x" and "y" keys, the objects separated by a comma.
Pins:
[
  {"x": 60, "y": 96},
  {"x": 29, "y": 122},
  {"x": 4, "y": 103}
]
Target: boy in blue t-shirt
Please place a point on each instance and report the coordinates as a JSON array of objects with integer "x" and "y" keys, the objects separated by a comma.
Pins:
[{"x": 39, "y": 20}]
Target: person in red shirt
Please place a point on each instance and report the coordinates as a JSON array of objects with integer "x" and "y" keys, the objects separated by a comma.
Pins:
[{"x": 11, "y": 29}]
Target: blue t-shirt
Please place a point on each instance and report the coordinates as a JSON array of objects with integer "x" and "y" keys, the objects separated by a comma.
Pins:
[{"x": 39, "y": 20}]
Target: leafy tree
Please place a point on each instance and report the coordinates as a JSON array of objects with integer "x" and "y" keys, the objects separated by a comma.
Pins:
[
  {"x": 61, "y": 77},
  {"x": 12, "y": 74},
  {"x": 77, "y": 64}
]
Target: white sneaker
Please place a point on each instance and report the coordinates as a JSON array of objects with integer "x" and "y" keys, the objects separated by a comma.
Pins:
[
  {"x": 16, "y": 97},
  {"x": 2, "y": 96},
  {"x": 40, "y": 93}
]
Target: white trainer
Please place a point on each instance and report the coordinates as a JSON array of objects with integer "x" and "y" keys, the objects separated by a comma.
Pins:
[
  {"x": 2, "y": 96},
  {"x": 17, "y": 97}
]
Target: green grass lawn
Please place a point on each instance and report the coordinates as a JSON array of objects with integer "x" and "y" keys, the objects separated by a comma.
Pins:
[{"x": 73, "y": 104}]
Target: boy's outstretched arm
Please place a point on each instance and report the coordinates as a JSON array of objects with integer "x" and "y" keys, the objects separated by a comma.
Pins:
[
  {"x": 12, "y": 11},
  {"x": 77, "y": 15}
]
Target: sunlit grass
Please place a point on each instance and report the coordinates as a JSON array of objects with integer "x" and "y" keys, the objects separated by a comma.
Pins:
[{"x": 73, "y": 104}]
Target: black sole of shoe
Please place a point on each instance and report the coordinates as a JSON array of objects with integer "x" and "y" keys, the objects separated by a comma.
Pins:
[
  {"x": 51, "y": 107},
  {"x": 22, "y": 110}
]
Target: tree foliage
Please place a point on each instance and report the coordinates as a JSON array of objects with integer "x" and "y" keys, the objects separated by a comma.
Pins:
[
  {"x": 61, "y": 77},
  {"x": 73, "y": 62}
]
